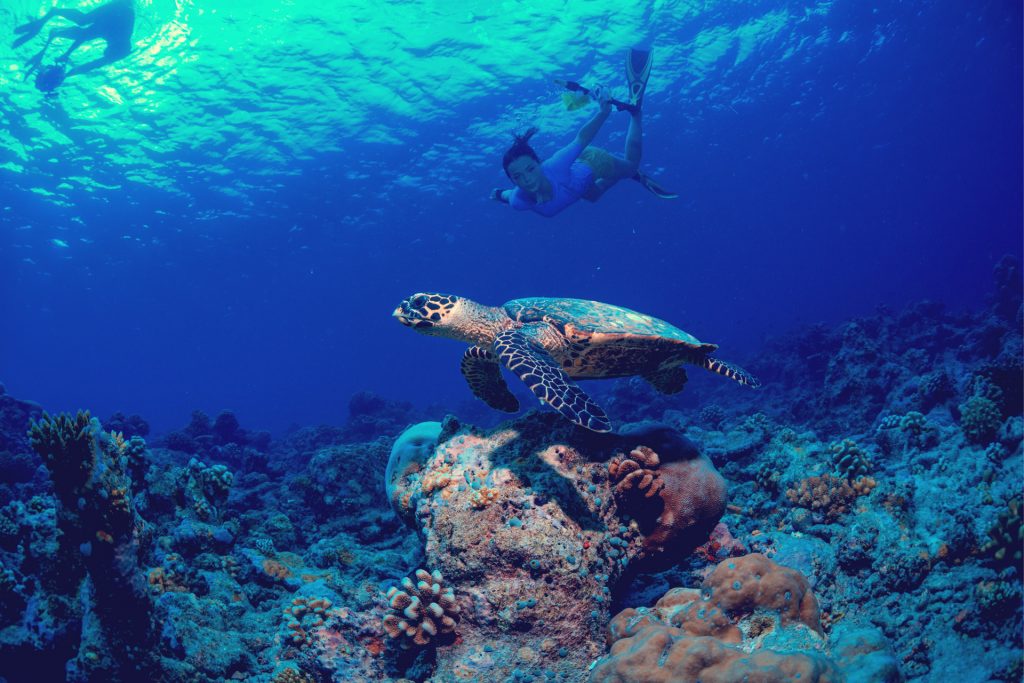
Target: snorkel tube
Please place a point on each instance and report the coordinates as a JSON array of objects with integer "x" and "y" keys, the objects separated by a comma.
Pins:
[{"x": 576, "y": 87}]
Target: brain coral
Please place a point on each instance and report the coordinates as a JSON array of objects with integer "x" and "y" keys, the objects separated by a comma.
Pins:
[{"x": 751, "y": 620}]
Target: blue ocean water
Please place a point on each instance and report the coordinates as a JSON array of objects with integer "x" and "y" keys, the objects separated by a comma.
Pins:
[
  {"x": 226, "y": 219},
  {"x": 212, "y": 234}
]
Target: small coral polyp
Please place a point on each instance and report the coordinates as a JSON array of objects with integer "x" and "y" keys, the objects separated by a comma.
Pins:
[{"x": 421, "y": 610}]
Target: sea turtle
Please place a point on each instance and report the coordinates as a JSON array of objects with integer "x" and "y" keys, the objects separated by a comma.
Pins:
[{"x": 549, "y": 342}]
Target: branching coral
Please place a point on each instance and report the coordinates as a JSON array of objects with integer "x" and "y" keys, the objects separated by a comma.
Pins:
[
  {"x": 849, "y": 460},
  {"x": 421, "y": 610},
  {"x": 933, "y": 389},
  {"x": 636, "y": 471},
  {"x": 980, "y": 418},
  {"x": 1006, "y": 537},
  {"x": 67, "y": 447},
  {"x": 713, "y": 416},
  {"x": 291, "y": 675},
  {"x": 303, "y": 617},
  {"x": 828, "y": 495}
]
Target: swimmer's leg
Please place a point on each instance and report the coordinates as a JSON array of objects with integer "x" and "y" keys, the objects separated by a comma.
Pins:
[{"x": 622, "y": 167}]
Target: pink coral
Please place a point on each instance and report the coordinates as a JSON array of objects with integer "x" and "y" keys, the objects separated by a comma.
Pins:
[{"x": 691, "y": 494}]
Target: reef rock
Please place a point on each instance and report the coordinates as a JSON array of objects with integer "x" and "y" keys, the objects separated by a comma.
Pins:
[{"x": 523, "y": 524}]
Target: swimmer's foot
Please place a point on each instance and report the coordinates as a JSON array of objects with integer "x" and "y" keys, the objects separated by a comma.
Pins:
[{"x": 653, "y": 186}]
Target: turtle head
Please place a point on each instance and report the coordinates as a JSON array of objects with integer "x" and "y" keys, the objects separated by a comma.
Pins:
[
  {"x": 455, "y": 317},
  {"x": 428, "y": 313}
]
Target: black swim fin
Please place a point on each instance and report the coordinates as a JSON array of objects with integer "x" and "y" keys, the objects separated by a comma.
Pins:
[
  {"x": 653, "y": 186},
  {"x": 29, "y": 31},
  {"x": 638, "y": 70}
]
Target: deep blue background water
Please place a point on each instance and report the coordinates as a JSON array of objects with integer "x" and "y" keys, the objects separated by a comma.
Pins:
[{"x": 820, "y": 177}]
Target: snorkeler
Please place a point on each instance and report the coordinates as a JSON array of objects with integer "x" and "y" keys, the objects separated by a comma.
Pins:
[
  {"x": 579, "y": 171},
  {"x": 113, "y": 21}
]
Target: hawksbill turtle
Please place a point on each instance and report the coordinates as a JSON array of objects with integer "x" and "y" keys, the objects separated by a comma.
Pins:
[{"x": 549, "y": 342}]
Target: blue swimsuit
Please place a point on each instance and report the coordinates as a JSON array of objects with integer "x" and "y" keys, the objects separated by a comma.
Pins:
[{"x": 569, "y": 179}]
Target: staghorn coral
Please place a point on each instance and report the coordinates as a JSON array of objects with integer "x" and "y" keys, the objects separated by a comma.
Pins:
[
  {"x": 849, "y": 460},
  {"x": 692, "y": 495},
  {"x": 421, "y": 610},
  {"x": 827, "y": 495},
  {"x": 67, "y": 447}
]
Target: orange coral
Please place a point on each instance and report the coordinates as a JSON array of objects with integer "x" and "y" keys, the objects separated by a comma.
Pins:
[
  {"x": 637, "y": 470},
  {"x": 276, "y": 570},
  {"x": 303, "y": 617},
  {"x": 691, "y": 635}
]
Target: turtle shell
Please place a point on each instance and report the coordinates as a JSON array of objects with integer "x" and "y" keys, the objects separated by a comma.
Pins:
[{"x": 599, "y": 322}]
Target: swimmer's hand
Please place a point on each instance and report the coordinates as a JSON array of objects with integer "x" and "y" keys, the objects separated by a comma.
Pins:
[
  {"x": 498, "y": 195},
  {"x": 602, "y": 96}
]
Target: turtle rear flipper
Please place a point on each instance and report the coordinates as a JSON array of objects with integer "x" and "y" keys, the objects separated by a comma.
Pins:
[
  {"x": 480, "y": 368},
  {"x": 733, "y": 372},
  {"x": 547, "y": 381},
  {"x": 667, "y": 381}
]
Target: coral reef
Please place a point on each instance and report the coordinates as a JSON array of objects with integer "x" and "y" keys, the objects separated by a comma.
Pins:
[
  {"x": 880, "y": 465},
  {"x": 101, "y": 539}
]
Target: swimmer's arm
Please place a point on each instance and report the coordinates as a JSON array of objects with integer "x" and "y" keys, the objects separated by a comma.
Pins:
[
  {"x": 589, "y": 130},
  {"x": 500, "y": 195},
  {"x": 88, "y": 66}
]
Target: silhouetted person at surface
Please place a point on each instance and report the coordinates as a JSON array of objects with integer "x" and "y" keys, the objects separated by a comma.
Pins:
[{"x": 113, "y": 22}]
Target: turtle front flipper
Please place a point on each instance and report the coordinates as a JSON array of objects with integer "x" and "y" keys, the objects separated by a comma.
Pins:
[
  {"x": 480, "y": 368},
  {"x": 541, "y": 373}
]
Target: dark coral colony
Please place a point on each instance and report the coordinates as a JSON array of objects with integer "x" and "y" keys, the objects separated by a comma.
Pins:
[{"x": 856, "y": 519}]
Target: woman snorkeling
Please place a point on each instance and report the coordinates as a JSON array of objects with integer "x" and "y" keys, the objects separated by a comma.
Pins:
[
  {"x": 579, "y": 171},
  {"x": 113, "y": 22}
]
